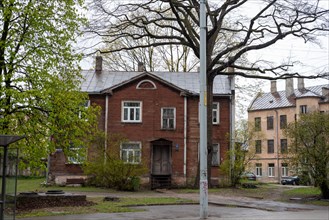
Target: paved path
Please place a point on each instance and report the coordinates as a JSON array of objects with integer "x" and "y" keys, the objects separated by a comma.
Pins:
[{"x": 191, "y": 212}]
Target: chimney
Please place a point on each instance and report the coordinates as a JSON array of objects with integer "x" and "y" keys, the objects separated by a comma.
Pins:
[
  {"x": 289, "y": 87},
  {"x": 99, "y": 64},
  {"x": 230, "y": 69},
  {"x": 301, "y": 85},
  {"x": 273, "y": 86},
  {"x": 141, "y": 67}
]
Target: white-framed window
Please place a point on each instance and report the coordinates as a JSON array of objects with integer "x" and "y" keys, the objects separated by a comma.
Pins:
[
  {"x": 168, "y": 118},
  {"x": 271, "y": 170},
  {"x": 284, "y": 169},
  {"x": 130, "y": 152},
  {"x": 303, "y": 109},
  {"x": 259, "y": 170},
  {"x": 85, "y": 105},
  {"x": 76, "y": 155},
  {"x": 215, "y": 113},
  {"x": 131, "y": 111},
  {"x": 215, "y": 155}
]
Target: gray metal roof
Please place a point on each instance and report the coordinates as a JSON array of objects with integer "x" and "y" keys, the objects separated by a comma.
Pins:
[
  {"x": 279, "y": 99},
  {"x": 186, "y": 81}
]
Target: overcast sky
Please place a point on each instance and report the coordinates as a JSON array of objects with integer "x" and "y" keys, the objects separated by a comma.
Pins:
[{"x": 313, "y": 58}]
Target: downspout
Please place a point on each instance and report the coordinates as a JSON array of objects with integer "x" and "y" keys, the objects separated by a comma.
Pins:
[
  {"x": 185, "y": 136},
  {"x": 277, "y": 143},
  {"x": 106, "y": 124}
]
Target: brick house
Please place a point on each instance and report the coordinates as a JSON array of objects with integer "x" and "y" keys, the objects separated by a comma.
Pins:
[
  {"x": 158, "y": 113},
  {"x": 270, "y": 112}
]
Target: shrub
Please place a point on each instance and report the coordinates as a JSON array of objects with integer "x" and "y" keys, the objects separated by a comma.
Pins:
[{"x": 114, "y": 173}]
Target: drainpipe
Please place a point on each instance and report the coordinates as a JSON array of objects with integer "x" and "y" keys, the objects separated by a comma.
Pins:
[
  {"x": 106, "y": 124},
  {"x": 185, "y": 135},
  {"x": 277, "y": 142}
]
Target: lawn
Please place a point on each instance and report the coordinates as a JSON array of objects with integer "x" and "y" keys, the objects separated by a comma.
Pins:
[
  {"x": 125, "y": 204},
  {"x": 36, "y": 184},
  {"x": 147, "y": 197}
]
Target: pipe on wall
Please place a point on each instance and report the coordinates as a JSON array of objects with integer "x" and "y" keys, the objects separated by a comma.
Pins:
[{"x": 185, "y": 134}]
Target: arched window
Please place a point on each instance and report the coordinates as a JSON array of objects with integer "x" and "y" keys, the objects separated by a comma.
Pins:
[{"x": 146, "y": 84}]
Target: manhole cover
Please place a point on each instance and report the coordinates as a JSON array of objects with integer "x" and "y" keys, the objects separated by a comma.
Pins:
[{"x": 55, "y": 192}]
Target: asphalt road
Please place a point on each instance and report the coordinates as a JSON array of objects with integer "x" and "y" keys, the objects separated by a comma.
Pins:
[{"x": 191, "y": 212}]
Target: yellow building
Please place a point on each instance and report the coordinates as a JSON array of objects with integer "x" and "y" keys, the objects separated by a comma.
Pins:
[{"x": 270, "y": 113}]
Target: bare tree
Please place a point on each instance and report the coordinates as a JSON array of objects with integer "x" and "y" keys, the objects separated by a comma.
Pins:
[{"x": 249, "y": 29}]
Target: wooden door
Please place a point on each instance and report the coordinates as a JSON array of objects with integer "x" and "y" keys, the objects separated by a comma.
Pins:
[{"x": 161, "y": 160}]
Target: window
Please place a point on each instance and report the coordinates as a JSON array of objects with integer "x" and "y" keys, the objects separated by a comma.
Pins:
[
  {"x": 259, "y": 169},
  {"x": 270, "y": 123},
  {"x": 284, "y": 169},
  {"x": 271, "y": 169},
  {"x": 258, "y": 146},
  {"x": 284, "y": 146},
  {"x": 82, "y": 112},
  {"x": 131, "y": 152},
  {"x": 76, "y": 155},
  {"x": 131, "y": 111},
  {"x": 168, "y": 121},
  {"x": 283, "y": 121},
  {"x": 258, "y": 124},
  {"x": 303, "y": 109},
  {"x": 270, "y": 146},
  {"x": 215, "y": 113},
  {"x": 215, "y": 155}
]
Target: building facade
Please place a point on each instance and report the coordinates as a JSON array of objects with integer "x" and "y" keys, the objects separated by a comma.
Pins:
[
  {"x": 157, "y": 113},
  {"x": 270, "y": 113}
]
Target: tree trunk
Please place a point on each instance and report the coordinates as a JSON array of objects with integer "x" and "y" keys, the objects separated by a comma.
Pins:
[
  {"x": 210, "y": 82},
  {"x": 324, "y": 190}
]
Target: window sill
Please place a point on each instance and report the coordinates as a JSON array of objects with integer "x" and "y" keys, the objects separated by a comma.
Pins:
[
  {"x": 131, "y": 122},
  {"x": 168, "y": 129}
]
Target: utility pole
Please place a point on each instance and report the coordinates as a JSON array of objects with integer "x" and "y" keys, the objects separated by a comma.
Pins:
[{"x": 203, "y": 114}]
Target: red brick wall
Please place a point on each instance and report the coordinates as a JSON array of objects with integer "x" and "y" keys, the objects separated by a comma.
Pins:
[
  {"x": 58, "y": 166},
  {"x": 150, "y": 127}
]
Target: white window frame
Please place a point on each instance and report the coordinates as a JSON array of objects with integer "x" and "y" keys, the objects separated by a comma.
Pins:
[
  {"x": 79, "y": 158},
  {"x": 174, "y": 119},
  {"x": 128, "y": 120},
  {"x": 86, "y": 105},
  {"x": 215, "y": 111},
  {"x": 271, "y": 170},
  {"x": 133, "y": 156},
  {"x": 303, "y": 109},
  {"x": 259, "y": 170},
  {"x": 215, "y": 157},
  {"x": 284, "y": 170}
]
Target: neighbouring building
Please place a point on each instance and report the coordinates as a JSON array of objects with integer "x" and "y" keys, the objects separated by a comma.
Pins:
[
  {"x": 270, "y": 113},
  {"x": 158, "y": 113}
]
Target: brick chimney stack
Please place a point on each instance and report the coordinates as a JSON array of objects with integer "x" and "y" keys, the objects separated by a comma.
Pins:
[
  {"x": 301, "y": 85},
  {"x": 289, "y": 87},
  {"x": 141, "y": 67},
  {"x": 99, "y": 64},
  {"x": 273, "y": 86}
]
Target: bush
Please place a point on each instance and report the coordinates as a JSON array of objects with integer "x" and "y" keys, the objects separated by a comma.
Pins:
[{"x": 114, "y": 173}]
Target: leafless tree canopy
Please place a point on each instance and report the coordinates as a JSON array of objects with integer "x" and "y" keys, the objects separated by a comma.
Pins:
[{"x": 250, "y": 25}]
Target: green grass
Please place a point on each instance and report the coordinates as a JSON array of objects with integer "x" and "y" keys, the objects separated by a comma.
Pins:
[
  {"x": 304, "y": 192},
  {"x": 37, "y": 185},
  {"x": 124, "y": 205}
]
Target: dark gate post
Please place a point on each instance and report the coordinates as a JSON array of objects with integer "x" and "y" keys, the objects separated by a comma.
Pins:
[{"x": 5, "y": 141}]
